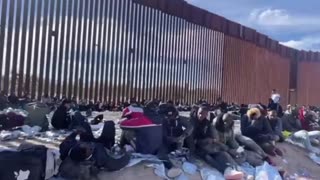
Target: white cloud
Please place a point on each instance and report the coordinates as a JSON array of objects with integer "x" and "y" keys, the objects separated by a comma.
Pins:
[
  {"x": 281, "y": 17},
  {"x": 305, "y": 43}
]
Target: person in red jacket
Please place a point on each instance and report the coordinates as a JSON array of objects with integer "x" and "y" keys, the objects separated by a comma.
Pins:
[{"x": 304, "y": 123}]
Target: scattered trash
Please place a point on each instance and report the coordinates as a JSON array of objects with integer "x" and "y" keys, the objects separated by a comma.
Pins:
[
  {"x": 189, "y": 168},
  {"x": 211, "y": 174}
]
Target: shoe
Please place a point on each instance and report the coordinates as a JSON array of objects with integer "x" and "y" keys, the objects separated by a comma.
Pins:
[
  {"x": 232, "y": 174},
  {"x": 174, "y": 172},
  {"x": 278, "y": 152}
]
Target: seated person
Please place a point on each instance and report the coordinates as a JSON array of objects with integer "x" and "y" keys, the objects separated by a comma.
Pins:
[
  {"x": 251, "y": 152},
  {"x": 275, "y": 124},
  {"x": 209, "y": 148},
  {"x": 290, "y": 122},
  {"x": 93, "y": 149},
  {"x": 61, "y": 118},
  {"x": 257, "y": 127},
  {"x": 143, "y": 131},
  {"x": 176, "y": 130}
]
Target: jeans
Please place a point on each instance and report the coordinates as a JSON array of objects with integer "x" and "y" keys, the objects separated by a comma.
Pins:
[{"x": 304, "y": 138}]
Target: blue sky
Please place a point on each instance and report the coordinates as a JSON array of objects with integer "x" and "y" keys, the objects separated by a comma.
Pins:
[{"x": 295, "y": 23}]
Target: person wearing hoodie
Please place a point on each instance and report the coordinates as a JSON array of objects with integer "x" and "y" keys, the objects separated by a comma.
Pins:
[
  {"x": 142, "y": 129},
  {"x": 61, "y": 118},
  {"x": 210, "y": 149},
  {"x": 177, "y": 130},
  {"x": 257, "y": 127},
  {"x": 275, "y": 124},
  {"x": 98, "y": 151}
]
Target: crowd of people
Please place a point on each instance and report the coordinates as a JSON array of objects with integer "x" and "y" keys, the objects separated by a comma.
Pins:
[{"x": 154, "y": 127}]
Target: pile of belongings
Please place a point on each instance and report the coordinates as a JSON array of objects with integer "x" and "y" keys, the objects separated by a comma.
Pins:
[{"x": 10, "y": 118}]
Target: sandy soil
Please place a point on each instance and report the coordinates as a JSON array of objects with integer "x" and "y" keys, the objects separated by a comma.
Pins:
[{"x": 295, "y": 159}]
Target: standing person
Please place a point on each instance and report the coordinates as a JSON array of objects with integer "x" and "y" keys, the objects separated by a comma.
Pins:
[
  {"x": 208, "y": 148},
  {"x": 275, "y": 96}
]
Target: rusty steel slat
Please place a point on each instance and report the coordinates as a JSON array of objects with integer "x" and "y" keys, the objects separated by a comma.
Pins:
[
  {"x": 65, "y": 67},
  {"x": 163, "y": 58},
  {"x": 183, "y": 74},
  {"x": 159, "y": 53},
  {"x": 34, "y": 93},
  {"x": 23, "y": 47},
  {"x": 189, "y": 61},
  {"x": 131, "y": 50},
  {"x": 83, "y": 53},
  {"x": 207, "y": 65},
  {"x": 2, "y": 36},
  {"x": 198, "y": 64},
  {"x": 179, "y": 63},
  {"x": 202, "y": 63},
  {"x": 55, "y": 50},
  {"x": 167, "y": 59},
  {"x": 43, "y": 63},
  {"x": 141, "y": 58},
  {"x": 173, "y": 60},
  {"x": 116, "y": 67},
  {"x": 73, "y": 66},
  {"x": 107, "y": 59},
  {"x": 16, "y": 48},
  {"x": 145, "y": 59},
  {"x": 93, "y": 62},
  {"x": 98, "y": 71},
  {"x": 103, "y": 59},
  {"x": 49, "y": 50},
  {"x": 213, "y": 49},
  {"x": 9, "y": 43},
  {"x": 137, "y": 41},
  {"x": 126, "y": 64},
  {"x": 61, "y": 50},
  {"x": 78, "y": 59},
  {"x": 192, "y": 65},
  {"x": 170, "y": 59},
  {"x": 88, "y": 51},
  {"x": 147, "y": 56},
  {"x": 152, "y": 55},
  {"x": 180, "y": 89},
  {"x": 215, "y": 56},
  {"x": 112, "y": 49}
]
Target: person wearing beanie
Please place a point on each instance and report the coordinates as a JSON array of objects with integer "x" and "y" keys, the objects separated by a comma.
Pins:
[
  {"x": 96, "y": 150},
  {"x": 61, "y": 118},
  {"x": 256, "y": 126},
  {"x": 176, "y": 130},
  {"x": 209, "y": 148}
]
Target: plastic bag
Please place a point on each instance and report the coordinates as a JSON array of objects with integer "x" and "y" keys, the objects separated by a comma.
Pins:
[
  {"x": 189, "y": 168},
  {"x": 211, "y": 174},
  {"x": 267, "y": 172}
]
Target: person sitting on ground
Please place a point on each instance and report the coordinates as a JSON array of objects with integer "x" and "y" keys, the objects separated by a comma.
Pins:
[
  {"x": 290, "y": 122},
  {"x": 257, "y": 127},
  {"x": 142, "y": 130},
  {"x": 224, "y": 133},
  {"x": 90, "y": 149},
  {"x": 289, "y": 109},
  {"x": 61, "y": 118},
  {"x": 275, "y": 124},
  {"x": 209, "y": 148},
  {"x": 177, "y": 130},
  {"x": 13, "y": 100}
]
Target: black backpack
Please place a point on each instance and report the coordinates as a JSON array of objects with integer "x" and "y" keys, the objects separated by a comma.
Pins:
[{"x": 27, "y": 164}]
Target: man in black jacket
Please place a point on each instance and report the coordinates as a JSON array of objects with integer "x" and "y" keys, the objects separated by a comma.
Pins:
[
  {"x": 61, "y": 119},
  {"x": 93, "y": 149},
  {"x": 176, "y": 130},
  {"x": 208, "y": 147},
  {"x": 256, "y": 126}
]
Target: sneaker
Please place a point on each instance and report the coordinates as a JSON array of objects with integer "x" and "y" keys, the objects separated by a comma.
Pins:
[
  {"x": 232, "y": 174},
  {"x": 278, "y": 152},
  {"x": 174, "y": 172}
]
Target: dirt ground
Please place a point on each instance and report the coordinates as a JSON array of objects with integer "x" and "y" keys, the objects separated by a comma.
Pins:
[{"x": 295, "y": 159}]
